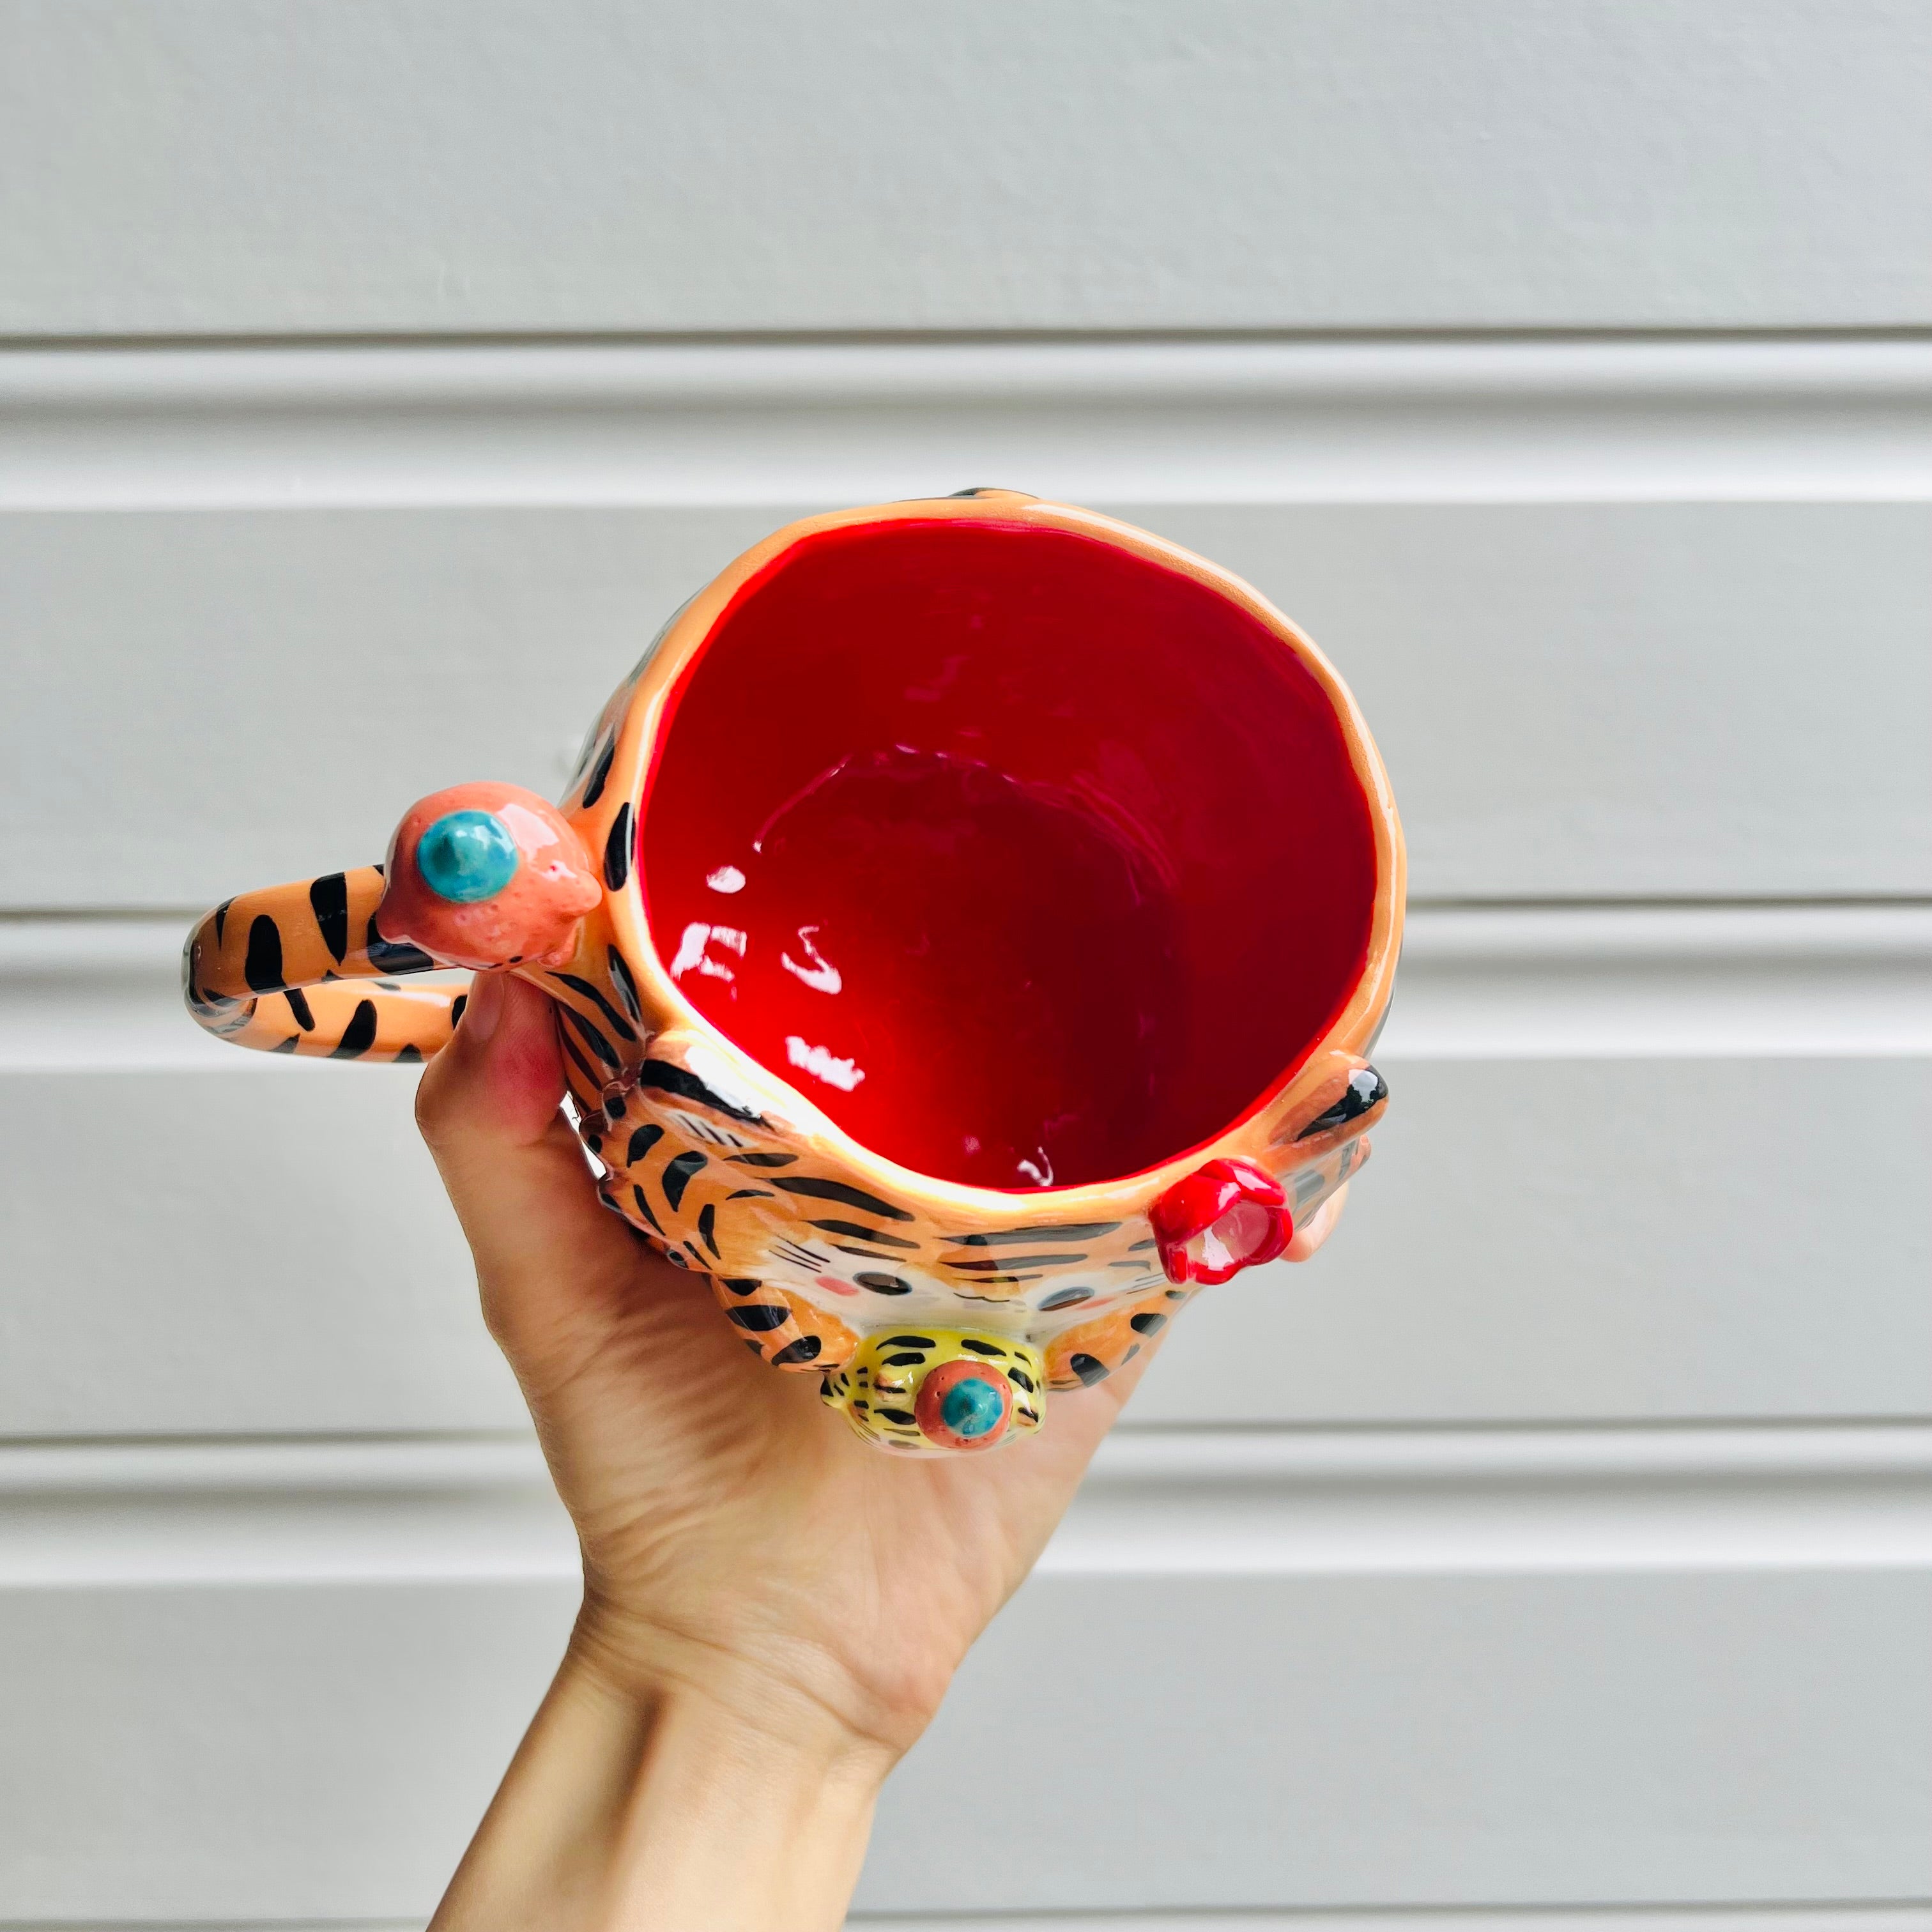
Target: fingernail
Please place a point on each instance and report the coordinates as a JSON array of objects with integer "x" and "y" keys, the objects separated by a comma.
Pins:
[{"x": 485, "y": 1007}]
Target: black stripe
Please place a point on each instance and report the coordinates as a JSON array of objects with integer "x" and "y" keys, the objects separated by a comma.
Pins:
[
  {"x": 805, "y": 1349},
  {"x": 763, "y": 1160},
  {"x": 591, "y": 1038},
  {"x": 740, "y": 1284},
  {"x": 707, "y": 1229},
  {"x": 676, "y": 1176},
  {"x": 359, "y": 1035},
  {"x": 328, "y": 899},
  {"x": 644, "y": 1208},
  {"x": 799, "y": 1256},
  {"x": 456, "y": 1006},
  {"x": 663, "y": 1077},
  {"x": 600, "y": 773},
  {"x": 837, "y": 1190},
  {"x": 1087, "y": 1231},
  {"x": 908, "y": 1341},
  {"x": 626, "y": 986},
  {"x": 1009, "y": 1261},
  {"x": 584, "y": 1066},
  {"x": 221, "y": 919},
  {"x": 1150, "y": 1322},
  {"x": 1088, "y": 1369},
  {"x": 408, "y": 1054},
  {"x": 617, "y": 849},
  {"x": 1367, "y": 1088},
  {"x": 642, "y": 1141},
  {"x": 863, "y": 1234},
  {"x": 393, "y": 956},
  {"x": 760, "y": 1316},
  {"x": 624, "y": 1029},
  {"x": 288, "y": 1045},
  {"x": 262, "y": 968},
  {"x": 884, "y": 1284},
  {"x": 298, "y": 1005}
]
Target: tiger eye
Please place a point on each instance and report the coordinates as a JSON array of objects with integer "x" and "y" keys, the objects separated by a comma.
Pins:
[{"x": 466, "y": 856}]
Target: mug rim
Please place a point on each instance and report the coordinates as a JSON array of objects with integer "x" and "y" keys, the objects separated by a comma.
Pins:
[{"x": 641, "y": 733}]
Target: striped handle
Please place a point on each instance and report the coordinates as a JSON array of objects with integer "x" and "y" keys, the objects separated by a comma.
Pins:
[{"x": 303, "y": 969}]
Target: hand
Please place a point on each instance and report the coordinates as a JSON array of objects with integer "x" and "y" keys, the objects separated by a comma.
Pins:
[{"x": 770, "y": 1605}]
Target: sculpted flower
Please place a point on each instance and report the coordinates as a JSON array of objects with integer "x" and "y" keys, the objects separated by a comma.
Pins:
[{"x": 1226, "y": 1216}]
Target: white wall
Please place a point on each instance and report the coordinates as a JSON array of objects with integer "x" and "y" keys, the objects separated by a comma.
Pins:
[{"x": 374, "y": 378}]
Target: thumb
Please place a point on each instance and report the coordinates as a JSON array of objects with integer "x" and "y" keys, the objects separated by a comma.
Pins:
[
  {"x": 1318, "y": 1227},
  {"x": 546, "y": 1253}
]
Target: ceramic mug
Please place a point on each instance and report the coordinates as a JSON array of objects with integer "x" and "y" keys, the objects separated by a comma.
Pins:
[{"x": 967, "y": 927}]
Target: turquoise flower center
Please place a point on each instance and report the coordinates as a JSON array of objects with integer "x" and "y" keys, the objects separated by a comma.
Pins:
[
  {"x": 467, "y": 856},
  {"x": 971, "y": 1407}
]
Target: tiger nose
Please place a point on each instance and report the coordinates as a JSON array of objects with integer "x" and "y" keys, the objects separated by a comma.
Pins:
[{"x": 964, "y": 1405}]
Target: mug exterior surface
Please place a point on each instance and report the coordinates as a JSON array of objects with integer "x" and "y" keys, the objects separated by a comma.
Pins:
[{"x": 843, "y": 1132}]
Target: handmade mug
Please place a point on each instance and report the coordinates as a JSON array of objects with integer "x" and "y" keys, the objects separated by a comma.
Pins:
[{"x": 967, "y": 925}]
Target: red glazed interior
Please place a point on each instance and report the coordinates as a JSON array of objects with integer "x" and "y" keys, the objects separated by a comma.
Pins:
[{"x": 1031, "y": 861}]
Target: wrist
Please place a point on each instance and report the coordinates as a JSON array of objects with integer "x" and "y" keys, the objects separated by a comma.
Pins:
[
  {"x": 714, "y": 1747},
  {"x": 663, "y": 1791},
  {"x": 789, "y": 1721},
  {"x": 806, "y": 1705}
]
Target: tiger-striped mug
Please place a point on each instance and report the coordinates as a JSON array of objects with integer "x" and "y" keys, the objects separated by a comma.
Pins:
[{"x": 967, "y": 926}]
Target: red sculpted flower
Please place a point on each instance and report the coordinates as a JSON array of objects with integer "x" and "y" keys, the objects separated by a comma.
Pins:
[{"x": 1226, "y": 1216}]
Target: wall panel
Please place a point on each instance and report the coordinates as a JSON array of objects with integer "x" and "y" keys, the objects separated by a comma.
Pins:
[
  {"x": 1617, "y": 1183},
  {"x": 219, "y": 1753},
  {"x": 1552, "y": 1555},
  {"x": 386, "y": 169},
  {"x": 1620, "y": 700}
]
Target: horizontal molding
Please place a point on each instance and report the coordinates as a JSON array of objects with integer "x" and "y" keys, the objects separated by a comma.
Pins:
[
  {"x": 1907, "y": 1916},
  {"x": 1176, "y": 1503},
  {"x": 1160, "y": 422},
  {"x": 1457, "y": 1501},
  {"x": 1610, "y": 982},
  {"x": 1519, "y": 983}
]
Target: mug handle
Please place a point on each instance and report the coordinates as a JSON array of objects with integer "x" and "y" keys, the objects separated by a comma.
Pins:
[
  {"x": 278, "y": 970},
  {"x": 482, "y": 876}
]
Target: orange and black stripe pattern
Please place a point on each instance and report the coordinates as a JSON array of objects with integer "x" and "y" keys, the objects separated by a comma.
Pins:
[{"x": 277, "y": 970}]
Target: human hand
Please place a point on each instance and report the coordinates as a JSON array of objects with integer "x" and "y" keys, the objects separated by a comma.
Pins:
[{"x": 771, "y": 1606}]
